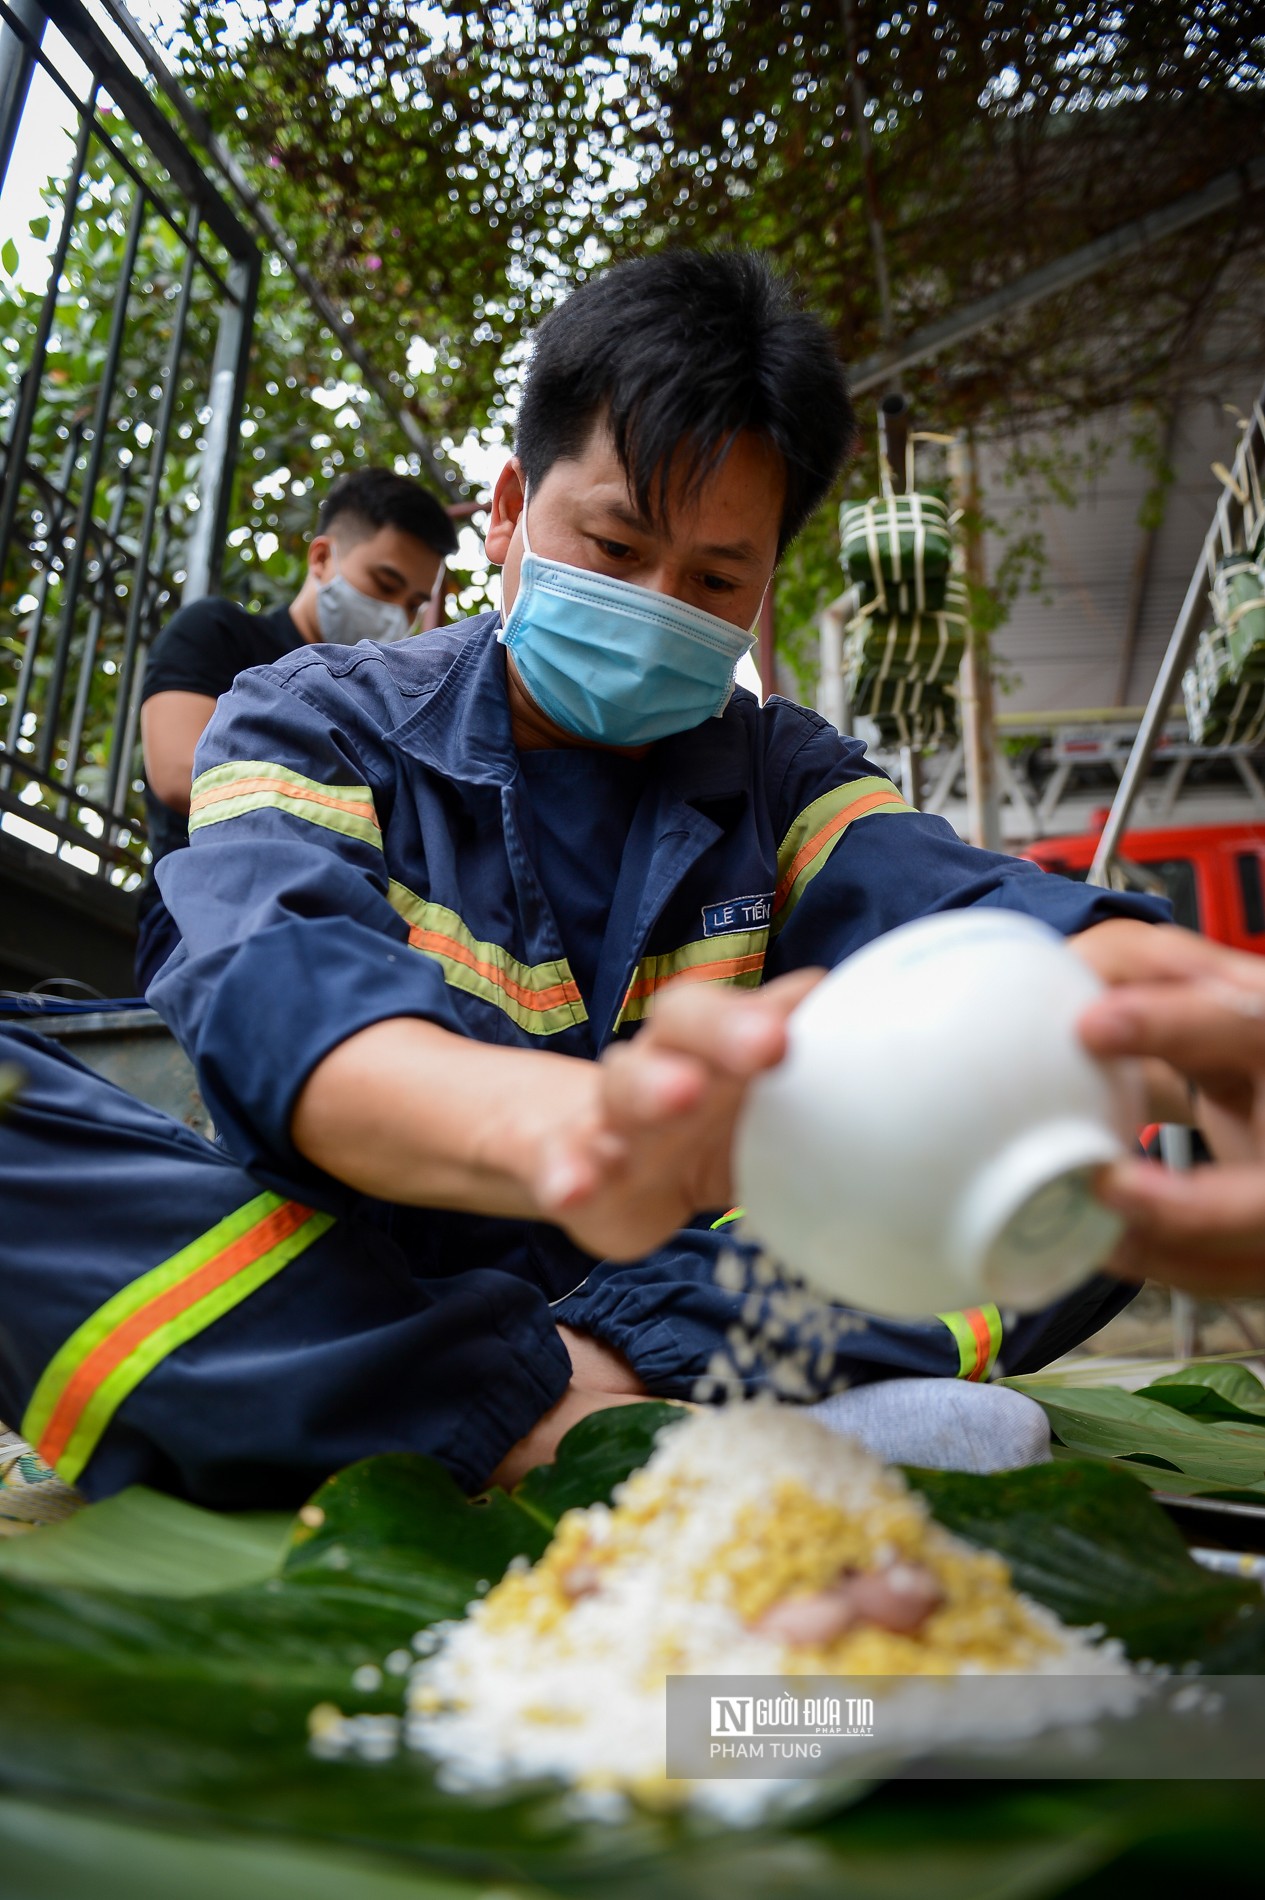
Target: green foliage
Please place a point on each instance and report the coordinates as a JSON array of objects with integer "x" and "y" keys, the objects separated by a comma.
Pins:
[
  {"x": 473, "y": 163},
  {"x": 1201, "y": 1429},
  {"x": 54, "y": 1853},
  {"x": 446, "y": 176},
  {"x": 307, "y": 417},
  {"x": 808, "y": 578},
  {"x": 1215, "y": 1391},
  {"x": 448, "y": 173}
]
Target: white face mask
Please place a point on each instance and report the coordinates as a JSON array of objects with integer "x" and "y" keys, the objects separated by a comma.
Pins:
[{"x": 345, "y": 614}]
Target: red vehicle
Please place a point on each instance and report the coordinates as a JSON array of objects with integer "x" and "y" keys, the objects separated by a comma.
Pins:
[{"x": 1212, "y": 874}]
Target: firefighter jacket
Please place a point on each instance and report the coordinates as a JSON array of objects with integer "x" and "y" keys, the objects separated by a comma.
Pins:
[{"x": 363, "y": 847}]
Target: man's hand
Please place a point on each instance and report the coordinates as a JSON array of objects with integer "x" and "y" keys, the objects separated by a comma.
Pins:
[
  {"x": 1199, "y": 1008},
  {"x": 619, "y": 1152},
  {"x": 656, "y": 1147}
]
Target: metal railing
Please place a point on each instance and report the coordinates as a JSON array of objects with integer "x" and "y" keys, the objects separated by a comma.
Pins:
[
  {"x": 100, "y": 521},
  {"x": 1234, "y": 522}
]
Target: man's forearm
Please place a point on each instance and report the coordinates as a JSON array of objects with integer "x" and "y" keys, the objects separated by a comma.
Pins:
[
  {"x": 619, "y": 1152},
  {"x": 407, "y": 1111}
]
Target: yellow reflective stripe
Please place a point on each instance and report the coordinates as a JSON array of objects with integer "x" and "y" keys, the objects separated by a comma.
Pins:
[
  {"x": 541, "y": 998},
  {"x": 977, "y": 1331},
  {"x": 816, "y": 832},
  {"x": 120, "y": 1344},
  {"x": 735, "y": 1213},
  {"x": 737, "y": 958},
  {"x": 244, "y": 785}
]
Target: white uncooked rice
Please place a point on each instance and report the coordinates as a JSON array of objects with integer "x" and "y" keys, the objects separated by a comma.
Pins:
[{"x": 580, "y": 1695}]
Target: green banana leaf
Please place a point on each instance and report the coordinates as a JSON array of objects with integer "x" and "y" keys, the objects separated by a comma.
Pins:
[
  {"x": 55, "y": 1850},
  {"x": 1211, "y": 1392},
  {"x": 1199, "y": 1426},
  {"x": 1080, "y": 1540},
  {"x": 152, "y": 1544},
  {"x": 152, "y": 1711},
  {"x": 1017, "y": 1844}
]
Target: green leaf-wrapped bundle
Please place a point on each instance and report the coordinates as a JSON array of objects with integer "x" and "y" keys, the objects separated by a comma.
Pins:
[
  {"x": 1221, "y": 707},
  {"x": 901, "y": 540},
  {"x": 1238, "y": 600},
  {"x": 921, "y": 716},
  {"x": 881, "y": 646}
]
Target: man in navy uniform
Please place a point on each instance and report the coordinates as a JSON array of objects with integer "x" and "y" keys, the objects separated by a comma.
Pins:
[{"x": 434, "y": 892}]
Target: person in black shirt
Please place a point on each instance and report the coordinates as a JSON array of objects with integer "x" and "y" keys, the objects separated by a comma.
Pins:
[{"x": 372, "y": 565}]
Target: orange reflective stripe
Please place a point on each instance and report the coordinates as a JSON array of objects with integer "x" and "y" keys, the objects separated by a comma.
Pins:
[
  {"x": 244, "y": 788},
  {"x": 977, "y": 1331},
  {"x": 976, "y": 1320},
  {"x": 807, "y": 847},
  {"x": 542, "y": 998},
  {"x": 118, "y": 1345},
  {"x": 722, "y": 970},
  {"x": 737, "y": 956},
  {"x": 439, "y": 945},
  {"x": 876, "y": 801},
  {"x": 735, "y": 1213},
  {"x": 307, "y": 794}
]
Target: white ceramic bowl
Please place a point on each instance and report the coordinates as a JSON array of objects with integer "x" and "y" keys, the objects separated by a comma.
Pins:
[{"x": 929, "y": 1140}]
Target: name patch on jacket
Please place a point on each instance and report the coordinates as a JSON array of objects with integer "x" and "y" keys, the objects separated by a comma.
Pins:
[{"x": 737, "y": 913}]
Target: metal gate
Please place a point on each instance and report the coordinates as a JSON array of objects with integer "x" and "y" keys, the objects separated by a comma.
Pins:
[{"x": 120, "y": 403}]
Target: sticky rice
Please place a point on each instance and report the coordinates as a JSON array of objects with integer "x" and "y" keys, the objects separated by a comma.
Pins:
[{"x": 743, "y": 1520}]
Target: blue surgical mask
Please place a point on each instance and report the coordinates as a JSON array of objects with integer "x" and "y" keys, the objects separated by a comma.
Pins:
[
  {"x": 615, "y": 663},
  {"x": 345, "y": 614}
]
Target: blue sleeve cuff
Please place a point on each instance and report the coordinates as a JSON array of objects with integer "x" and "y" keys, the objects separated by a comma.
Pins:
[
  {"x": 1069, "y": 907},
  {"x": 520, "y": 1372}
]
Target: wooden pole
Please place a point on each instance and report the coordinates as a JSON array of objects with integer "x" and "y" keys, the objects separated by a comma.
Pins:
[{"x": 975, "y": 681}]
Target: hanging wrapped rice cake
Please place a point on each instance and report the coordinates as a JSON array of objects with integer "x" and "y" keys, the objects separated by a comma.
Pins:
[
  {"x": 879, "y": 645},
  {"x": 1238, "y": 601},
  {"x": 899, "y": 670},
  {"x": 878, "y": 697},
  {"x": 933, "y": 723},
  {"x": 1222, "y": 707},
  {"x": 900, "y": 542}
]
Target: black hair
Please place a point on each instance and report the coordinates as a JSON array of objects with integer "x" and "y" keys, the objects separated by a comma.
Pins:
[
  {"x": 679, "y": 353},
  {"x": 379, "y": 498}
]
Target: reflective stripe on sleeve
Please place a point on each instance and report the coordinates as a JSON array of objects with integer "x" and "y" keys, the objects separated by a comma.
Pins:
[
  {"x": 977, "y": 1331},
  {"x": 737, "y": 958},
  {"x": 246, "y": 785},
  {"x": 107, "y": 1357},
  {"x": 541, "y": 998},
  {"x": 735, "y": 1213},
  {"x": 818, "y": 829}
]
